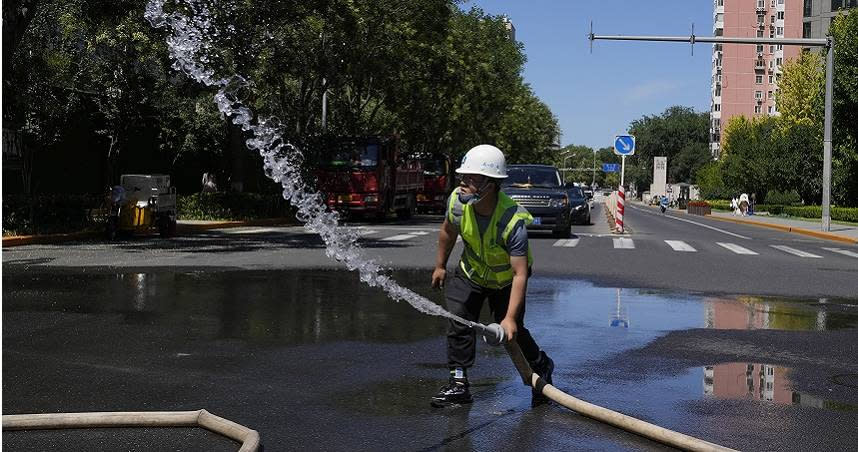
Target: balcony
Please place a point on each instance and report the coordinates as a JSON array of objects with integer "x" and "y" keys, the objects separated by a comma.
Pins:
[{"x": 760, "y": 65}]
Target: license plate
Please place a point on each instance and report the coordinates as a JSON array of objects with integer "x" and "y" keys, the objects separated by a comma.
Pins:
[{"x": 537, "y": 220}]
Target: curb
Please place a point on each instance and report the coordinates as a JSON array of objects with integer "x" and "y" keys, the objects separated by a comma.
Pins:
[
  {"x": 795, "y": 230},
  {"x": 186, "y": 227}
]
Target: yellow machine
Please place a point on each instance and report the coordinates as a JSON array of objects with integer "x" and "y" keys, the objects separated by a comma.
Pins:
[{"x": 142, "y": 202}]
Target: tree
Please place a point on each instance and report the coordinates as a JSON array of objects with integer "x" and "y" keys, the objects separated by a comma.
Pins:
[
  {"x": 680, "y": 134},
  {"x": 801, "y": 92}
]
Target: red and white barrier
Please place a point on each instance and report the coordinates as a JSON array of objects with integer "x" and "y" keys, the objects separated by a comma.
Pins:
[{"x": 621, "y": 201}]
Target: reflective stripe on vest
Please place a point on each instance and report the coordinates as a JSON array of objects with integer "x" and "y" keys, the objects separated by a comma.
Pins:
[{"x": 485, "y": 259}]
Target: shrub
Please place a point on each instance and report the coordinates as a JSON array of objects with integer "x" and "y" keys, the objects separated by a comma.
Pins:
[
  {"x": 787, "y": 198},
  {"x": 232, "y": 206},
  {"x": 47, "y": 214}
]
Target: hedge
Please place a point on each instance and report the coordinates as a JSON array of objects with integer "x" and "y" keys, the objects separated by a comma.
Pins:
[
  {"x": 51, "y": 213},
  {"x": 233, "y": 206},
  {"x": 837, "y": 213},
  {"x": 72, "y": 213}
]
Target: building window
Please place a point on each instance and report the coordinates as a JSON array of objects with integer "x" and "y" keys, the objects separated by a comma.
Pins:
[
  {"x": 773, "y": 3},
  {"x": 718, "y": 91},
  {"x": 771, "y": 49},
  {"x": 779, "y": 61},
  {"x": 761, "y": 4},
  {"x": 720, "y": 2},
  {"x": 759, "y": 33},
  {"x": 780, "y": 31},
  {"x": 758, "y": 95},
  {"x": 759, "y": 80},
  {"x": 771, "y": 94},
  {"x": 771, "y": 79},
  {"x": 758, "y": 109},
  {"x": 780, "y": 2},
  {"x": 759, "y": 48},
  {"x": 780, "y": 16},
  {"x": 773, "y": 20},
  {"x": 771, "y": 32},
  {"x": 780, "y": 47},
  {"x": 805, "y": 30},
  {"x": 771, "y": 109},
  {"x": 717, "y": 107}
]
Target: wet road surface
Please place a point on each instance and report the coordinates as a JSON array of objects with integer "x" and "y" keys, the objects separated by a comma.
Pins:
[{"x": 314, "y": 360}]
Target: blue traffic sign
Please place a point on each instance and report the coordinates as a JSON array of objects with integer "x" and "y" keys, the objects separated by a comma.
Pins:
[
  {"x": 624, "y": 145},
  {"x": 610, "y": 167}
]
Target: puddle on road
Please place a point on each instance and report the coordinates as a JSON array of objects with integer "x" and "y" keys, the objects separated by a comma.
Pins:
[
  {"x": 576, "y": 321},
  {"x": 760, "y": 382}
]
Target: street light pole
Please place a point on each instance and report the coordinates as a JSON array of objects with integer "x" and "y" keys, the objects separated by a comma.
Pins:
[
  {"x": 594, "y": 170},
  {"x": 829, "y": 76}
]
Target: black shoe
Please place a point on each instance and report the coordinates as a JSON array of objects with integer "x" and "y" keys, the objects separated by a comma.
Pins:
[
  {"x": 454, "y": 393},
  {"x": 544, "y": 370}
]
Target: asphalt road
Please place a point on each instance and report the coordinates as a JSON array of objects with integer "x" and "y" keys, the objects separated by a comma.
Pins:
[{"x": 702, "y": 255}]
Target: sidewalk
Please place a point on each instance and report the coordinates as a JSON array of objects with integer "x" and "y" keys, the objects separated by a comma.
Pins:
[
  {"x": 839, "y": 232},
  {"x": 183, "y": 226}
]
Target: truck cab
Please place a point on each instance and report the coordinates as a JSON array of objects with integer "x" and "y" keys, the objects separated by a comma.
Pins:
[
  {"x": 367, "y": 176},
  {"x": 437, "y": 185}
]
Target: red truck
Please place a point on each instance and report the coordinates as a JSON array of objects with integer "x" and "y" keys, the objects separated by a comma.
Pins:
[
  {"x": 366, "y": 176},
  {"x": 437, "y": 185}
]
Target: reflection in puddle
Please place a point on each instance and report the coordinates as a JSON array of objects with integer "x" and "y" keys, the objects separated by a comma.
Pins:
[
  {"x": 759, "y": 382},
  {"x": 755, "y": 313}
]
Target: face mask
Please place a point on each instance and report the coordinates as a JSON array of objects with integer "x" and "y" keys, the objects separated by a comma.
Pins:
[{"x": 473, "y": 198}]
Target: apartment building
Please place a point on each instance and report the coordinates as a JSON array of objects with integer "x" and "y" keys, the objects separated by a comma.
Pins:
[
  {"x": 818, "y": 14},
  {"x": 745, "y": 76}
]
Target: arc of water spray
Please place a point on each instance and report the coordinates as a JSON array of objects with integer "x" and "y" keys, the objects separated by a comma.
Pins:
[{"x": 282, "y": 160}]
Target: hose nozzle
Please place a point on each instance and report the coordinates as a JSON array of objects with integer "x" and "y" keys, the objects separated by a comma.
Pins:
[{"x": 492, "y": 333}]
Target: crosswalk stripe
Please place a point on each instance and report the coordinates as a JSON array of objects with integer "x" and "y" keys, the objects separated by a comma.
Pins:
[
  {"x": 736, "y": 248},
  {"x": 419, "y": 233},
  {"x": 843, "y": 252},
  {"x": 794, "y": 251},
  {"x": 569, "y": 243},
  {"x": 679, "y": 245},
  {"x": 397, "y": 238},
  {"x": 624, "y": 243},
  {"x": 364, "y": 232}
]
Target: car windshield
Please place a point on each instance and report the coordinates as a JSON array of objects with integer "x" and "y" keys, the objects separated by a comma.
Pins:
[
  {"x": 576, "y": 193},
  {"x": 532, "y": 177},
  {"x": 353, "y": 155}
]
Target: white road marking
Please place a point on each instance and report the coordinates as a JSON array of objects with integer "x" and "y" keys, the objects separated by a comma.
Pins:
[
  {"x": 624, "y": 243},
  {"x": 363, "y": 232},
  {"x": 843, "y": 252},
  {"x": 692, "y": 222},
  {"x": 736, "y": 248},
  {"x": 794, "y": 251},
  {"x": 397, "y": 238},
  {"x": 568, "y": 243},
  {"x": 679, "y": 245},
  {"x": 420, "y": 233},
  {"x": 252, "y": 230}
]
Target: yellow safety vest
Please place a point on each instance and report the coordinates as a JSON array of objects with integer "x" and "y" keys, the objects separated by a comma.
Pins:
[{"x": 485, "y": 259}]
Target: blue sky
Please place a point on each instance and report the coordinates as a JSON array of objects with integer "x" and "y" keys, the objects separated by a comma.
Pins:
[{"x": 596, "y": 96}]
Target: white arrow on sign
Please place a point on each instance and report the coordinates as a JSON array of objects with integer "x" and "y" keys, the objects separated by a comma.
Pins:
[{"x": 626, "y": 145}]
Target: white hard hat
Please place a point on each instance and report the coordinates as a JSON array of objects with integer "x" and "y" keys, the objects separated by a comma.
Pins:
[{"x": 484, "y": 159}]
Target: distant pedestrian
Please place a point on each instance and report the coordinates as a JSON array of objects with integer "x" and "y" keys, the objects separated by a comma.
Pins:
[
  {"x": 209, "y": 183},
  {"x": 752, "y": 204}
]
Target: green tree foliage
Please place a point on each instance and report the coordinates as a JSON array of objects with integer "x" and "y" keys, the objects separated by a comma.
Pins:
[
  {"x": 442, "y": 78},
  {"x": 801, "y": 92},
  {"x": 680, "y": 134},
  {"x": 765, "y": 154}
]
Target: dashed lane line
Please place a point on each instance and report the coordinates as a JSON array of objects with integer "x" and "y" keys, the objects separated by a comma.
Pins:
[
  {"x": 679, "y": 245},
  {"x": 737, "y": 249},
  {"x": 842, "y": 251},
  {"x": 795, "y": 252}
]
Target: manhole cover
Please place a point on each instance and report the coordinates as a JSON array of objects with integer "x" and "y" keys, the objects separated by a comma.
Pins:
[{"x": 850, "y": 380}]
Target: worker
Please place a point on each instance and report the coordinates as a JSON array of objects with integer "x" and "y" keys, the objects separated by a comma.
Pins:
[{"x": 495, "y": 265}]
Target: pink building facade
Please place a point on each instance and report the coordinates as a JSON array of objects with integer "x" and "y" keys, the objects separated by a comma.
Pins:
[{"x": 745, "y": 76}]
